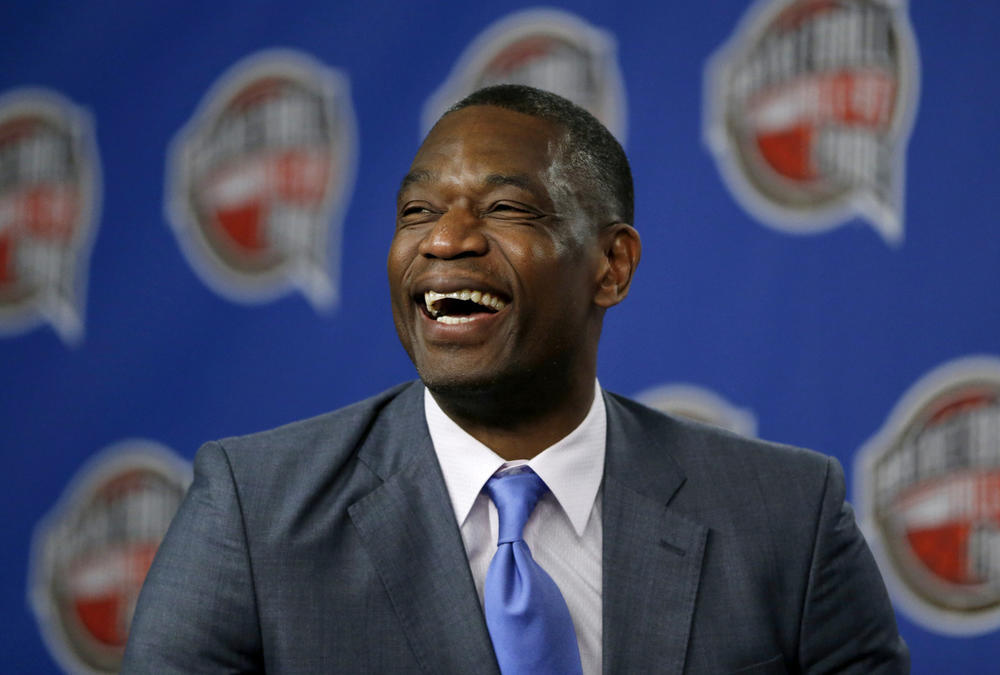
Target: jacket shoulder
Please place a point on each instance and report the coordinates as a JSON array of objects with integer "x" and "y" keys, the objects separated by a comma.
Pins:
[
  {"x": 310, "y": 453},
  {"x": 719, "y": 468},
  {"x": 696, "y": 443},
  {"x": 341, "y": 428}
]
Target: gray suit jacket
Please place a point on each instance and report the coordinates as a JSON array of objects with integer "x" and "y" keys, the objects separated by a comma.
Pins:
[{"x": 330, "y": 546}]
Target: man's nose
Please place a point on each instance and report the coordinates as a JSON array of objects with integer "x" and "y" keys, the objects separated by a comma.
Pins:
[{"x": 457, "y": 233}]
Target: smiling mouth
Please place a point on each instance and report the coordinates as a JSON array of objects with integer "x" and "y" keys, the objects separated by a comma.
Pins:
[{"x": 462, "y": 306}]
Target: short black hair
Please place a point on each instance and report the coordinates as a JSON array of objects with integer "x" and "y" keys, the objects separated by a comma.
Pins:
[{"x": 590, "y": 149}]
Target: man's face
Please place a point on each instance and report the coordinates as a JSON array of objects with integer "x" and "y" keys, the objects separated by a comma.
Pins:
[{"x": 494, "y": 266}]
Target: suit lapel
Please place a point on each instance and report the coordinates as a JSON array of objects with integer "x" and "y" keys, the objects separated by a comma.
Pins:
[
  {"x": 652, "y": 554},
  {"x": 408, "y": 528}
]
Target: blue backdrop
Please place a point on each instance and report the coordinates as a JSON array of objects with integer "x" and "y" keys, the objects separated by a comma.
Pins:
[{"x": 131, "y": 327}]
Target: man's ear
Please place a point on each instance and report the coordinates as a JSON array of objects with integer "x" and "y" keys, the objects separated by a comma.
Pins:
[{"x": 621, "y": 250}]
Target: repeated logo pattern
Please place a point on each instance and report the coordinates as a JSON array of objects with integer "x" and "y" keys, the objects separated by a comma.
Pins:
[
  {"x": 808, "y": 111},
  {"x": 699, "y": 404},
  {"x": 546, "y": 49},
  {"x": 49, "y": 196},
  {"x": 259, "y": 177},
  {"x": 930, "y": 497},
  {"x": 93, "y": 550}
]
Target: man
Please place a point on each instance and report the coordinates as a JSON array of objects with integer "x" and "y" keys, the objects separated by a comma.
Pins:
[{"x": 363, "y": 540}]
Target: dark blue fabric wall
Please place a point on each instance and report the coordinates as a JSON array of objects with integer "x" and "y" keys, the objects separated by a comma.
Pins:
[{"x": 151, "y": 300}]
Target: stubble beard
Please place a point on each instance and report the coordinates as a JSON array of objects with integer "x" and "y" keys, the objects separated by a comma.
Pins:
[{"x": 509, "y": 398}]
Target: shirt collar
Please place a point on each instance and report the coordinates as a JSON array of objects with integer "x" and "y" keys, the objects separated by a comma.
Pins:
[{"x": 572, "y": 467}]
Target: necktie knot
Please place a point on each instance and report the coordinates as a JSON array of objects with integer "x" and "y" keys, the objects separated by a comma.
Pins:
[{"x": 515, "y": 496}]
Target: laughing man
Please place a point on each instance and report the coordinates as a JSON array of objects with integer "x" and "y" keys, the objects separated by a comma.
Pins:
[{"x": 366, "y": 540}]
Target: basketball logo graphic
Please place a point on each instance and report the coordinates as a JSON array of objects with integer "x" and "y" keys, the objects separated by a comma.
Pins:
[
  {"x": 49, "y": 195},
  {"x": 701, "y": 405},
  {"x": 546, "y": 49},
  {"x": 91, "y": 553},
  {"x": 808, "y": 110},
  {"x": 259, "y": 178},
  {"x": 930, "y": 497}
]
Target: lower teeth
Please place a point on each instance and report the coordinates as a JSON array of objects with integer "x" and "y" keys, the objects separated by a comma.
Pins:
[{"x": 454, "y": 319}]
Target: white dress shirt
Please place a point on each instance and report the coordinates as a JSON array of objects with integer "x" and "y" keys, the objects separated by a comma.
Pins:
[{"x": 564, "y": 531}]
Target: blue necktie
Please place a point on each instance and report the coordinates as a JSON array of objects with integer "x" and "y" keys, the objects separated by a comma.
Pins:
[{"x": 526, "y": 615}]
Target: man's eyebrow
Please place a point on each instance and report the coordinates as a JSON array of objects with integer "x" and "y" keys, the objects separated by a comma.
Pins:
[
  {"x": 517, "y": 180},
  {"x": 418, "y": 176}
]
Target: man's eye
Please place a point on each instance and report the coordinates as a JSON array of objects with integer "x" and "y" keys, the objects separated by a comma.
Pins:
[
  {"x": 512, "y": 210},
  {"x": 415, "y": 211}
]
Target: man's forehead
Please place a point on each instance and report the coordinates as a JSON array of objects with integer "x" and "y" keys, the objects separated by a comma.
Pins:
[
  {"x": 516, "y": 179},
  {"x": 488, "y": 146},
  {"x": 494, "y": 179}
]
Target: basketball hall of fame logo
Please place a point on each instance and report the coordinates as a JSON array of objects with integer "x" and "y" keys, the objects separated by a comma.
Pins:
[
  {"x": 259, "y": 178},
  {"x": 701, "y": 405},
  {"x": 91, "y": 553},
  {"x": 546, "y": 49},
  {"x": 49, "y": 194},
  {"x": 929, "y": 493},
  {"x": 808, "y": 110}
]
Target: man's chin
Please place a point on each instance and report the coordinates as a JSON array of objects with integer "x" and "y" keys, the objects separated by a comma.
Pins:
[
  {"x": 461, "y": 386},
  {"x": 450, "y": 385}
]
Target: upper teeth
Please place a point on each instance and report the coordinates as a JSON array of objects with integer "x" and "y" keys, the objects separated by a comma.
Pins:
[{"x": 431, "y": 299}]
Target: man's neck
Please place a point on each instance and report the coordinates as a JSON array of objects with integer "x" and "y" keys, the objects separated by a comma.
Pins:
[{"x": 520, "y": 424}]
